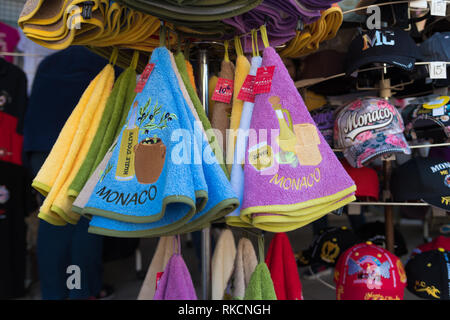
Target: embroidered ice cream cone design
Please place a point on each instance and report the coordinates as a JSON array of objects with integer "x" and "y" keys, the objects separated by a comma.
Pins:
[
  {"x": 286, "y": 140},
  {"x": 307, "y": 150},
  {"x": 125, "y": 164}
]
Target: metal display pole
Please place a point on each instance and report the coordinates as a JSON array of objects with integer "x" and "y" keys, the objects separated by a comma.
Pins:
[{"x": 206, "y": 232}]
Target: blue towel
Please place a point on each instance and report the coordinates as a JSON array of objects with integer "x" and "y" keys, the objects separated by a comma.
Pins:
[{"x": 189, "y": 194}]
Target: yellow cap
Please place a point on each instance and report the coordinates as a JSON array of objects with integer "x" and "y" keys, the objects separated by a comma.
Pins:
[
  {"x": 441, "y": 249},
  {"x": 369, "y": 242}
]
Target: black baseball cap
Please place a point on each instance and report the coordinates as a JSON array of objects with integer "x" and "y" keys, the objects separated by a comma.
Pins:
[
  {"x": 392, "y": 46},
  {"x": 428, "y": 274},
  {"x": 331, "y": 242},
  {"x": 375, "y": 232},
  {"x": 423, "y": 179}
]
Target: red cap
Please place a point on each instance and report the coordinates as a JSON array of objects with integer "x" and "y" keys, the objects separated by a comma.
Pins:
[
  {"x": 366, "y": 180},
  {"x": 369, "y": 272},
  {"x": 436, "y": 243}
]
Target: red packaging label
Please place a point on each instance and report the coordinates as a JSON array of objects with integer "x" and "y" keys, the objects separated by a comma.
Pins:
[
  {"x": 158, "y": 277},
  {"x": 246, "y": 93},
  {"x": 144, "y": 77},
  {"x": 223, "y": 91},
  {"x": 263, "y": 81}
]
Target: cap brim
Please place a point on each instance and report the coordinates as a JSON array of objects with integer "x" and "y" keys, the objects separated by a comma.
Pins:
[
  {"x": 441, "y": 202},
  {"x": 360, "y": 154},
  {"x": 405, "y": 63}
]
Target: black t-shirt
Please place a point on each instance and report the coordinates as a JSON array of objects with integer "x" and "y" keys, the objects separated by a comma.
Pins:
[
  {"x": 13, "y": 92},
  {"x": 16, "y": 202}
]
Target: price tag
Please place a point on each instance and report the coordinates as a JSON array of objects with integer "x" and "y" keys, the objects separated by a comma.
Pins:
[
  {"x": 263, "y": 80},
  {"x": 438, "y": 70},
  {"x": 223, "y": 91},
  {"x": 158, "y": 277},
  {"x": 438, "y": 8},
  {"x": 246, "y": 92},
  {"x": 144, "y": 77},
  {"x": 419, "y": 4},
  {"x": 437, "y": 112}
]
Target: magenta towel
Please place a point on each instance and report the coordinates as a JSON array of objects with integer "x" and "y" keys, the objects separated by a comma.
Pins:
[{"x": 176, "y": 282}]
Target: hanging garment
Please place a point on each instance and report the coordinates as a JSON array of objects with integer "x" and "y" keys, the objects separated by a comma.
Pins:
[
  {"x": 10, "y": 141},
  {"x": 211, "y": 86},
  {"x": 237, "y": 171},
  {"x": 176, "y": 282},
  {"x": 184, "y": 73},
  {"x": 282, "y": 265},
  {"x": 167, "y": 195},
  {"x": 260, "y": 286},
  {"x": 16, "y": 203},
  {"x": 242, "y": 70},
  {"x": 63, "y": 162},
  {"x": 222, "y": 264},
  {"x": 244, "y": 266},
  {"x": 116, "y": 109},
  {"x": 293, "y": 162},
  {"x": 164, "y": 251},
  {"x": 220, "y": 116},
  {"x": 9, "y": 38}
]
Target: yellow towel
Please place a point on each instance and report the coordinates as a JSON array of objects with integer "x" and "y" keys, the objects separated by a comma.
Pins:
[
  {"x": 66, "y": 163},
  {"x": 211, "y": 86},
  {"x": 63, "y": 203},
  {"x": 242, "y": 70},
  {"x": 190, "y": 72},
  {"x": 46, "y": 176}
]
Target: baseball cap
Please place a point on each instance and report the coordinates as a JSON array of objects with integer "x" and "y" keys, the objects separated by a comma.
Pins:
[
  {"x": 423, "y": 179},
  {"x": 366, "y": 180},
  {"x": 375, "y": 232},
  {"x": 368, "y": 272},
  {"x": 324, "y": 119},
  {"x": 436, "y": 243},
  {"x": 392, "y": 46},
  {"x": 330, "y": 243},
  {"x": 428, "y": 117},
  {"x": 428, "y": 274},
  {"x": 437, "y": 47},
  {"x": 368, "y": 128}
]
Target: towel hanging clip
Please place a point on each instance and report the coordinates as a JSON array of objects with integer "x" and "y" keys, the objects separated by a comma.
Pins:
[{"x": 87, "y": 9}]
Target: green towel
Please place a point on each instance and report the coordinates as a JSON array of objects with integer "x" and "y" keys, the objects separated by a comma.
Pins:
[
  {"x": 181, "y": 65},
  {"x": 115, "y": 111},
  {"x": 260, "y": 286}
]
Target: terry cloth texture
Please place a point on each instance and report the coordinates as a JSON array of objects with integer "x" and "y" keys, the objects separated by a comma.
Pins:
[
  {"x": 222, "y": 264},
  {"x": 211, "y": 86},
  {"x": 190, "y": 72},
  {"x": 176, "y": 282},
  {"x": 164, "y": 251},
  {"x": 220, "y": 116},
  {"x": 237, "y": 171},
  {"x": 70, "y": 149},
  {"x": 242, "y": 70},
  {"x": 172, "y": 191},
  {"x": 184, "y": 73},
  {"x": 291, "y": 161},
  {"x": 260, "y": 286},
  {"x": 119, "y": 101},
  {"x": 281, "y": 262},
  {"x": 244, "y": 266},
  {"x": 104, "y": 24}
]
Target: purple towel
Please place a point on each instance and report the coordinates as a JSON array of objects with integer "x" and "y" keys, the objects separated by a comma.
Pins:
[
  {"x": 292, "y": 177},
  {"x": 281, "y": 18},
  {"x": 176, "y": 282}
]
